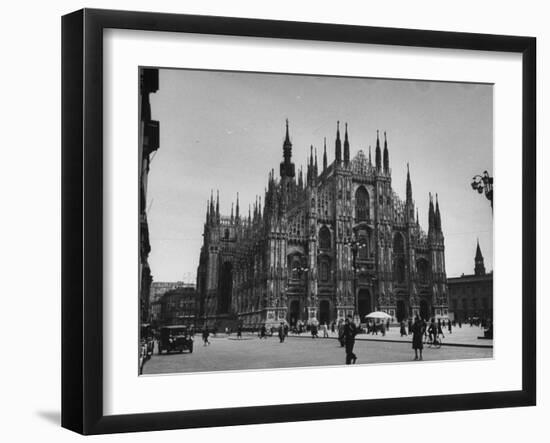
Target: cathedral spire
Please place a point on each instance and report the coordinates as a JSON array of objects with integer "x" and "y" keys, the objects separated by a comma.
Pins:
[
  {"x": 260, "y": 208},
  {"x": 237, "y": 208},
  {"x": 346, "y": 146},
  {"x": 431, "y": 216},
  {"x": 287, "y": 167},
  {"x": 311, "y": 167},
  {"x": 212, "y": 205},
  {"x": 378, "y": 154},
  {"x": 409, "y": 186},
  {"x": 370, "y": 157},
  {"x": 479, "y": 262},
  {"x": 316, "y": 170},
  {"x": 287, "y": 138},
  {"x": 207, "y": 210},
  {"x": 386, "y": 155},
  {"x": 338, "y": 144},
  {"x": 232, "y": 213},
  {"x": 218, "y": 206},
  {"x": 437, "y": 215},
  {"x": 325, "y": 156},
  {"x": 301, "y": 179}
]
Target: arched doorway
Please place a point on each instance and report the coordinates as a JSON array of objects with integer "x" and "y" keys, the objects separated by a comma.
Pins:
[
  {"x": 364, "y": 303},
  {"x": 401, "y": 313},
  {"x": 226, "y": 288},
  {"x": 324, "y": 312},
  {"x": 424, "y": 309},
  {"x": 294, "y": 314}
]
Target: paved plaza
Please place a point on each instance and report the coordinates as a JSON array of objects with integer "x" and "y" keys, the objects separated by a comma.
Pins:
[{"x": 229, "y": 353}]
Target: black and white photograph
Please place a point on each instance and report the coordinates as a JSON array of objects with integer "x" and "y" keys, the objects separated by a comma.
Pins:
[
  {"x": 275, "y": 222},
  {"x": 294, "y": 221}
]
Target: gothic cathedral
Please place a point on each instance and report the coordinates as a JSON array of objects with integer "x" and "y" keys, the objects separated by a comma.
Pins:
[{"x": 339, "y": 242}]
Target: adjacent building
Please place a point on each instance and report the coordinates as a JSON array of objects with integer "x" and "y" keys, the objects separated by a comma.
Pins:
[
  {"x": 159, "y": 288},
  {"x": 179, "y": 306},
  {"x": 335, "y": 242},
  {"x": 148, "y": 143},
  {"x": 471, "y": 295}
]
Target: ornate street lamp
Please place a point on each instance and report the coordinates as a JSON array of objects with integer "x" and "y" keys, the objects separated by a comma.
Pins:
[{"x": 484, "y": 183}]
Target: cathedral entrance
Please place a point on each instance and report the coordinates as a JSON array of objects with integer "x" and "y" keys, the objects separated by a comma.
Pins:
[
  {"x": 294, "y": 314},
  {"x": 226, "y": 288},
  {"x": 401, "y": 313},
  {"x": 364, "y": 303},
  {"x": 324, "y": 312},
  {"x": 424, "y": 310}
]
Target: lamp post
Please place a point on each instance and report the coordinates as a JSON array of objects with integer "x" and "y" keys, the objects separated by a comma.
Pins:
[{"x": 484, "y": 183}]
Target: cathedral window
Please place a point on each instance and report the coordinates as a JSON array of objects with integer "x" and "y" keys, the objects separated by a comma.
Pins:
[
  {"x": 399, "y": 269},
  {"x": 398, "y": 244},
  {"x": 324, "y": 270},
  {"x": 361, "y": 204},
  {"x": 398, "y": 258},
  {"x": 226, "y": 234},
  {"x": 324, "y": 238},
  {"x": 422, "y": 270}
]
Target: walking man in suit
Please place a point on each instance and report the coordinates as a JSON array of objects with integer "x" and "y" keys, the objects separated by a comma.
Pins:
[{"x": 350, "y": 331}]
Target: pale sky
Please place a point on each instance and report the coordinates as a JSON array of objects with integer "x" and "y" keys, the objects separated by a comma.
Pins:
[{"x": 225, "y": 130}]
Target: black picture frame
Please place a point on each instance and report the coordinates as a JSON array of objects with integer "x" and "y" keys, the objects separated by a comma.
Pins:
[{"x": 82, "y": 219}]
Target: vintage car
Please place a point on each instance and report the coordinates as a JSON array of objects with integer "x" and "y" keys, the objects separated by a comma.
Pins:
[{"x": 175, "y": 338}]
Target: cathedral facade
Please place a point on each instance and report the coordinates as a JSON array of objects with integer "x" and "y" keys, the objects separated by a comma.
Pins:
[{"x": 336, "y": 242}]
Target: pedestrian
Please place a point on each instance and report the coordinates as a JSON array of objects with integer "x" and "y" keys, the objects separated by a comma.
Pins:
[
  {"x": 286, "y": 330},
  {"x": 314, "y": 332},
  {"x": 333, "y": 326},
  {"x": 409, "y": 325},
  {"x": 281, "y": 332},
  {"x": 388, "y": 325},
  {"x": 205, "y": 334},
  {"x": 383, "y": 328},
  {"x": 239, "y": 332},
  {"x": 440, "y": 329},
  {"x": 325, "y": 330},
  {"x": 263, "y": 332},
  {"x": 432, "y": 331},
  {"x": 341, "y": 333},
  {"x": 350, "y": 331},
  {"x": 450, "y": 327},
  {"x": 418, "y": 330},
  {"x": 402, "y": 330}
]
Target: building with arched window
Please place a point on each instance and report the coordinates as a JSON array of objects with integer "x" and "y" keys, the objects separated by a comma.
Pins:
[{"x": 334, "y": 241}]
